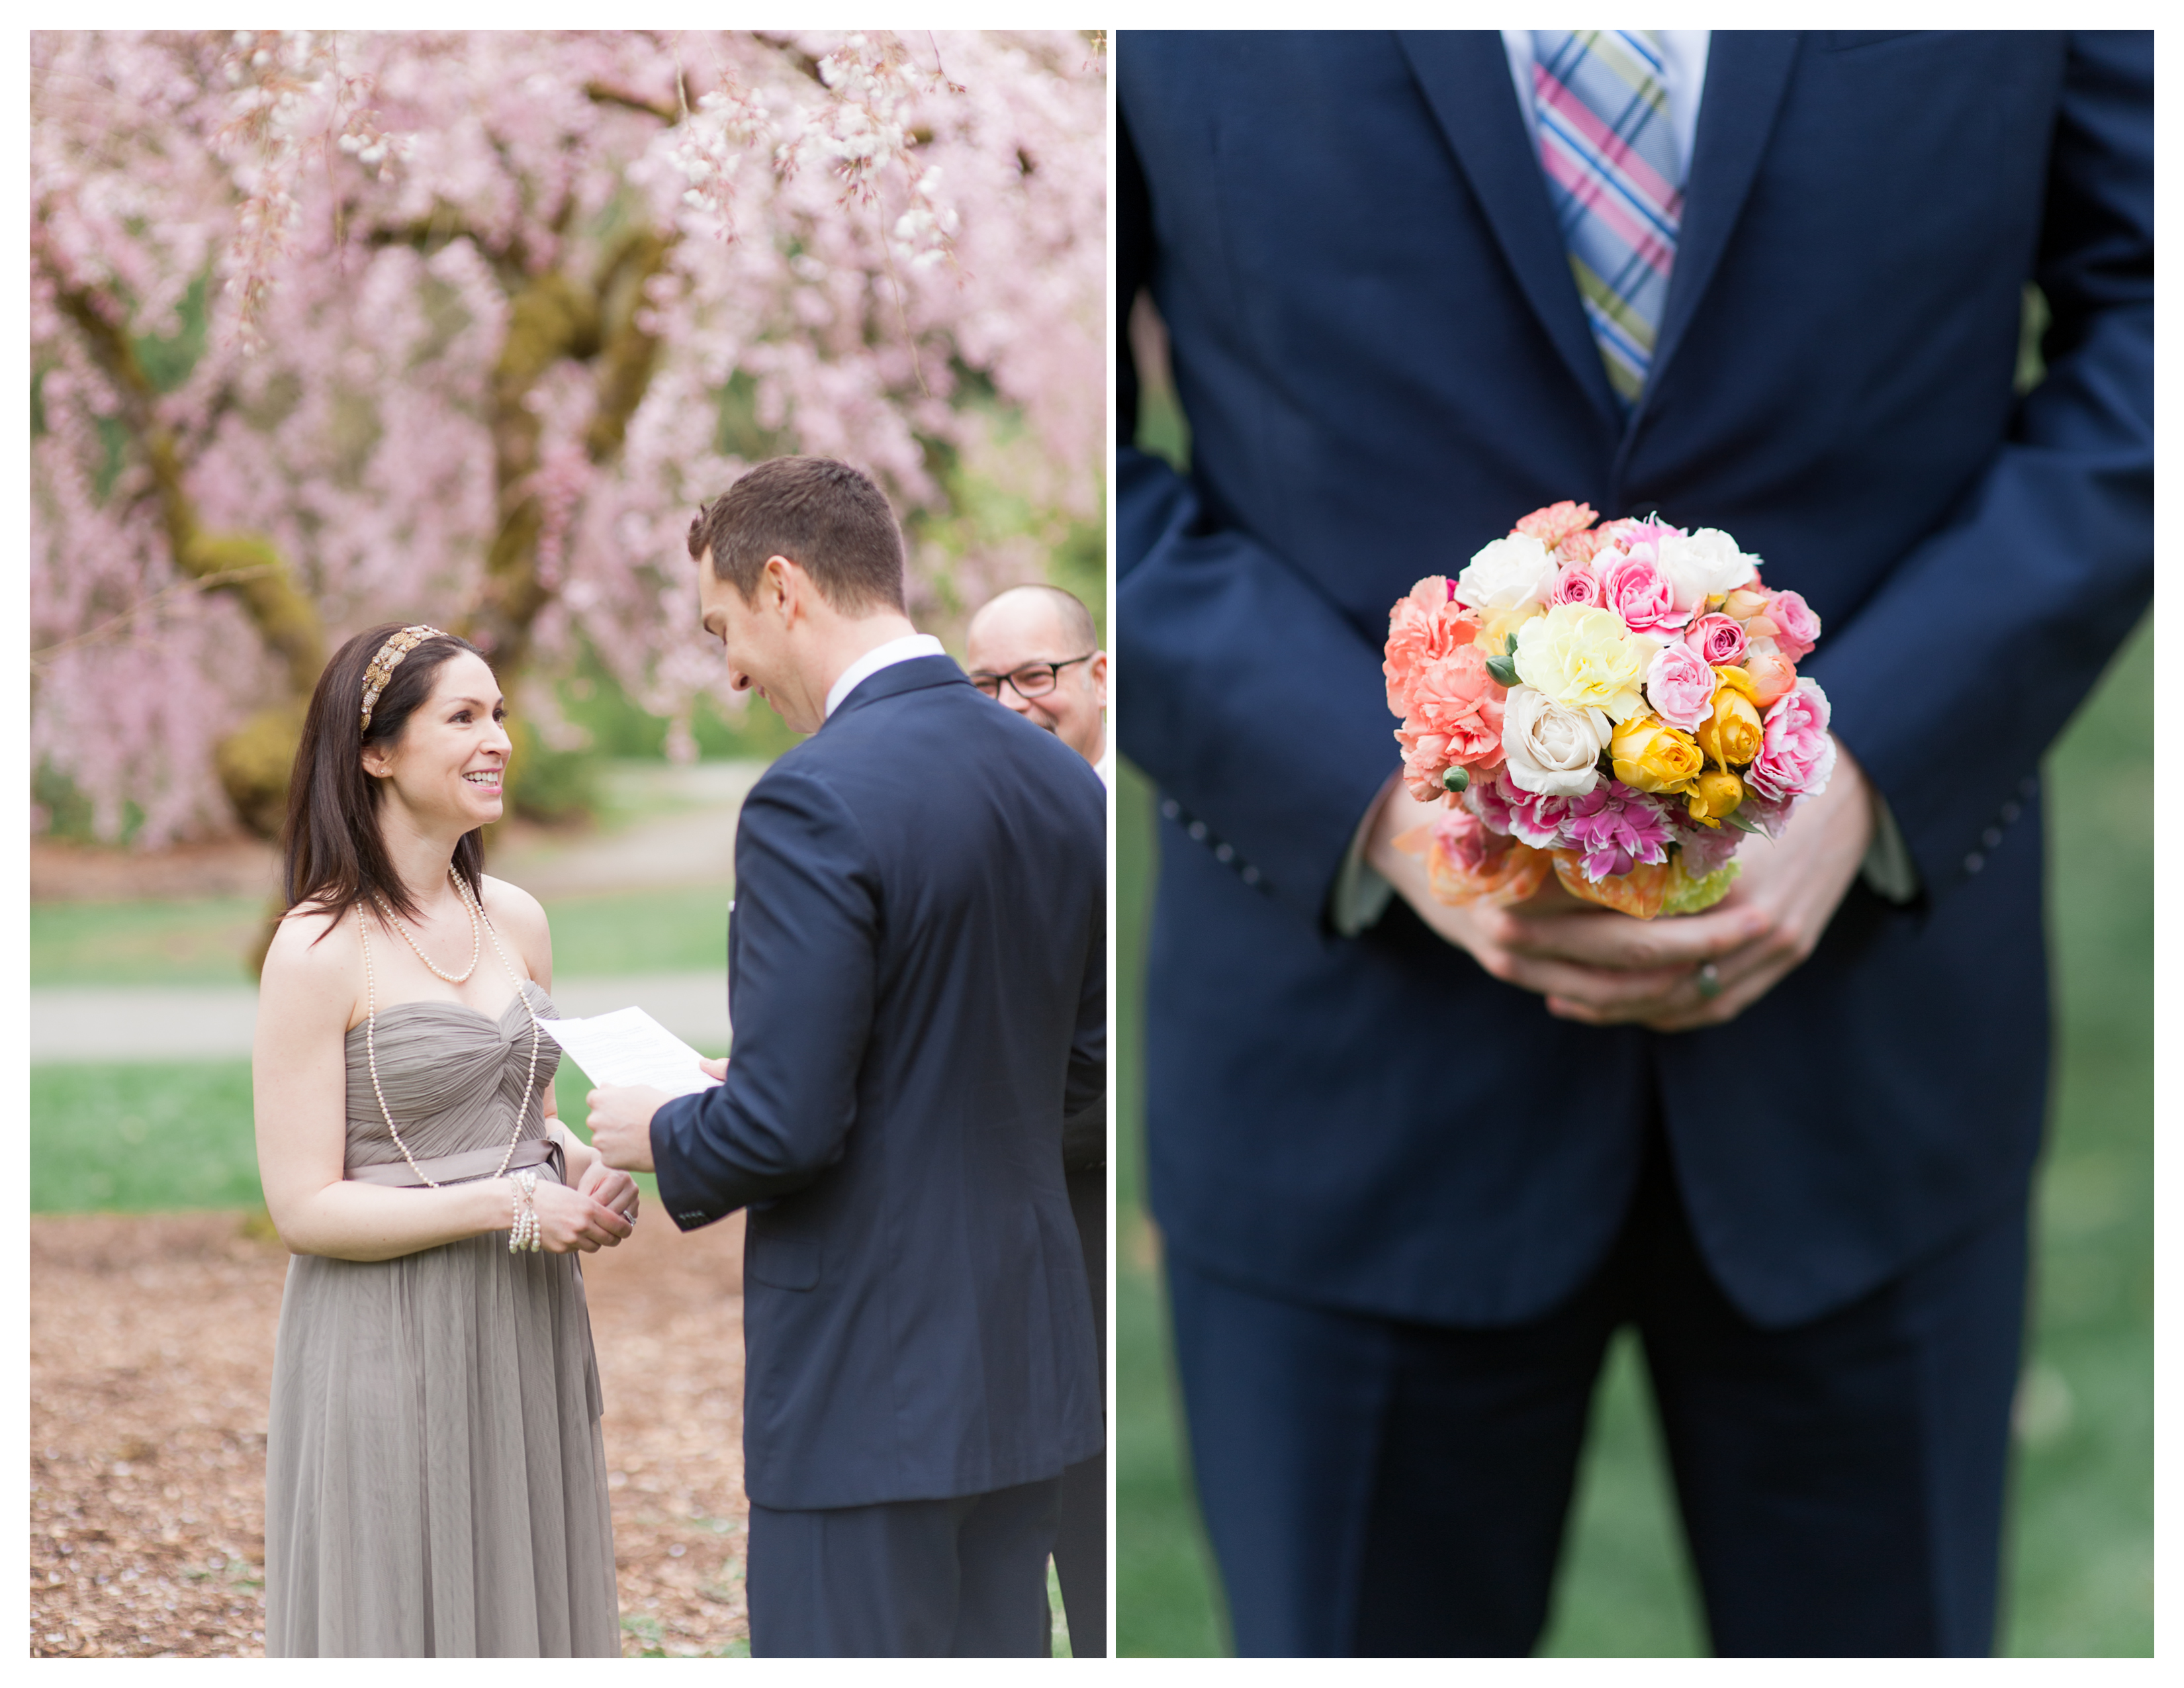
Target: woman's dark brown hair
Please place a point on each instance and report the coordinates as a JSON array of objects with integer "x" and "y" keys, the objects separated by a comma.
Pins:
[{"x": 331, "y": 850}]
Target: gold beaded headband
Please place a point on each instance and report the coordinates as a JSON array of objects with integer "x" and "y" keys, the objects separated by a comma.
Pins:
[{"x": 383, "y": 666}]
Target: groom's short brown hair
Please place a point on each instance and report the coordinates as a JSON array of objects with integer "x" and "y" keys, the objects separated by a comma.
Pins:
[{"x": 825, "y": 517}]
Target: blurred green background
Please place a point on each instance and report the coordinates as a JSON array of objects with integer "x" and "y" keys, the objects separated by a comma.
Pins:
[{"x": 2079, "y": 1580}]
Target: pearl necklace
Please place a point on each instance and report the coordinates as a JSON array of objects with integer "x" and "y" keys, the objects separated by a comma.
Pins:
[
  {"x": 401, "y": 932},
  {"x": 371, "y": 1023}
]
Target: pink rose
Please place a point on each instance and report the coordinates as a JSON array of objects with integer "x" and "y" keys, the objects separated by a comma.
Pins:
[
  {"x": 1636, "y": 589},
  {"x": 1679, "y": 686},
  {"x": 1796, "y": 628},
  {"x": 1796, "y": 754},
  {"x": 1716, "y": 640},
  {"x": 1576, "y": 584},
  {"x": 1422, "y": 629},
  {"x": 1455, "y": 719},
  {"x": 1773, "y": 674}
]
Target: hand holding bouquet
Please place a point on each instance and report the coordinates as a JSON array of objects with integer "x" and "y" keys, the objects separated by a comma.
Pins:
[{"x": 1617, "y": 704}]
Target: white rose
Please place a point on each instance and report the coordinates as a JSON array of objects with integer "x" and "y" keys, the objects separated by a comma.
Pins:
[
  {"x": 1703, "y": 565},
  {"x": 1551, "y": 749},
  {"x": 1506, "y": 574}
]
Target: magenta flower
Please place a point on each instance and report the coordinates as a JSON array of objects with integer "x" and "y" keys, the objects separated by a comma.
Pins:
[
  {"x": 1531, "y": 816},
  {"x": 1615, "y": 828}
]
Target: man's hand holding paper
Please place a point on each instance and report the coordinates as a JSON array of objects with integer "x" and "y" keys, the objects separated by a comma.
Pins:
[{"x": 638, "y": 1064}]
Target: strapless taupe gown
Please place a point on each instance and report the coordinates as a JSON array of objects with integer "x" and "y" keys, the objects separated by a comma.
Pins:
[{"x": 435, "y": 1480}]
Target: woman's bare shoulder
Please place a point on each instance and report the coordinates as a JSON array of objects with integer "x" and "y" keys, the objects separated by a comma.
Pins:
[
  {"x": 519, "y": 915},
  {"x": 311, "y": 973},
  {"x": 305, "y": 951},
  {"x": 506, "y": 901}
]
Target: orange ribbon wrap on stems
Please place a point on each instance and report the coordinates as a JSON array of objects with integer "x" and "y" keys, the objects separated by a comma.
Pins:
[
  {"x": 1467, "y": 862},
  {"x": 1639, "y": 893}
]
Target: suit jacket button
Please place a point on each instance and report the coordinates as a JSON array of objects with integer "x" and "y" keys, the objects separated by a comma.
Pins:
[
  {"x": 1225, "y": 853},
  {"x": 1198, "y": 830},
  {"x": 1990, "y": 836},
  {"x": 1974, "y": 862},
  {"x": 1171, "y": 808},
  {"x": 2010, "y": 812},
  {"x": 1250, "y": 876}
]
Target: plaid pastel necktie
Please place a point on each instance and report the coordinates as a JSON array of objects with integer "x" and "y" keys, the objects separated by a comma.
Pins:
[{"x": 1610, "y": 158}]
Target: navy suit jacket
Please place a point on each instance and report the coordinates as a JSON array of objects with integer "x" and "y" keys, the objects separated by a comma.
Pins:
[
  {"x": 917, "y": 972},
  {"x": 1382, "y": 357}
]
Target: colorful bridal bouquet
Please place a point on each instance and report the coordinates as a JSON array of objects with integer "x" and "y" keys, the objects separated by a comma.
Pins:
[{"x": 1617, "y": 704}]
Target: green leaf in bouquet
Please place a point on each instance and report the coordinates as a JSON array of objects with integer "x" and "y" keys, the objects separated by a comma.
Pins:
[
  {"x": 1503, "y": 669},
  {"x": 1737, "y": 820}
]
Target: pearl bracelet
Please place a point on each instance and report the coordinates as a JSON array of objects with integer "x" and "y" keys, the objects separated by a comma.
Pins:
[{"x": 523, "y": 1235}]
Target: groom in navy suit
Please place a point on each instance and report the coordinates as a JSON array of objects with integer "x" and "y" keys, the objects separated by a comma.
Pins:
[
  {"x": 1415, "y": 1165},
  {"x": 918, "y": 966}
]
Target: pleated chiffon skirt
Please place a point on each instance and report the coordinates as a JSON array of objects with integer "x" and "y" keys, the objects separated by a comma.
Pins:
[{"x": 436, "y": 1481}]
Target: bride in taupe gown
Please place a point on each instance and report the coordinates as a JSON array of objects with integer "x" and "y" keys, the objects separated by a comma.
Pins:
[{"x": 435, "y": 1482}]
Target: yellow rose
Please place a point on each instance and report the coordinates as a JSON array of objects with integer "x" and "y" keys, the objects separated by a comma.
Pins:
[
  {"x": 1737, "y": 680},
  {"x": 1584, "y": 658},
  {"x": 1713, "y": 794},
  {"x": 1730, "y": 736},
  {"x": 1650, "y": 755}
]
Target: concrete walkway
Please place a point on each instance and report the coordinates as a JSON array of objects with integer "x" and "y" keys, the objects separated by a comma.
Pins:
[{"x": 114, "y": 1024}]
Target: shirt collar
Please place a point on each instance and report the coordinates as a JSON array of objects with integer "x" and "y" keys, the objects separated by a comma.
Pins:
[{"x": 903, "y": 649}]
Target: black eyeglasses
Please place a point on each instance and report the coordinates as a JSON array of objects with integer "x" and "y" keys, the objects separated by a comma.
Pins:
[{"x": 1032, "y": 680}]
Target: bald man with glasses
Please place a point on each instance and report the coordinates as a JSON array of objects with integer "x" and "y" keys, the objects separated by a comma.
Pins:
[{"x": 1036, "y": 650}]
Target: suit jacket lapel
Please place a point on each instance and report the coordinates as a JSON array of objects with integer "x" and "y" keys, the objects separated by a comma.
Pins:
[
  {"x": 1745, "y": 73},
  {"x": 1465, "y": 77}
]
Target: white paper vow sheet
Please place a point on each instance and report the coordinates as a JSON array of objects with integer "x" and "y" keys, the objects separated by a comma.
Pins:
[{"x": 630, "y": 1047}]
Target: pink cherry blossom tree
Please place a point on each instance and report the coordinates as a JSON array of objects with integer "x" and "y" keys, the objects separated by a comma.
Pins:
[{"x": 332, "y": 329}]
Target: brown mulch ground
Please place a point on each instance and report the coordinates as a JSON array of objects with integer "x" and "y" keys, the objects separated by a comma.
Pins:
[{"x": 151, "y": 1358}]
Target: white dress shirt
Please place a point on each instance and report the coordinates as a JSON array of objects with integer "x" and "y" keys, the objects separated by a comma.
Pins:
[
  {"x": 1360, "y": 895},
  {"x": 903, "y": 649}
]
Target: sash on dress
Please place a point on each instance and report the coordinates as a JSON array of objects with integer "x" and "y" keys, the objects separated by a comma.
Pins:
[{"x": 466, "y": 1166}]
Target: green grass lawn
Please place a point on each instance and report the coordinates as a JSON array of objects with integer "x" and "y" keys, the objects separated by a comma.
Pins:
[
  {"x": 160, "y": 1137},
  {"x": 2081, "y": 1577}
]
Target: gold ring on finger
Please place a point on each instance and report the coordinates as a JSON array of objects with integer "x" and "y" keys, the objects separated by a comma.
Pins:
[{"x": 1709, "y": 980}]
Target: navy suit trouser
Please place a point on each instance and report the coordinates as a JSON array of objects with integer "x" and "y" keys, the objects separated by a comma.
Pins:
[
  {"x": 1376, "y": 1487},
  {"x": 963, "y": 1578},
  {"x": 1080, "y": 1541}
]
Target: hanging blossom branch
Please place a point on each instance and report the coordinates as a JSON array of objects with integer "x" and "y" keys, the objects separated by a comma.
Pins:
[
  {"x": 116, "y": 626},
  {"x": 537, "y": 292}
]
